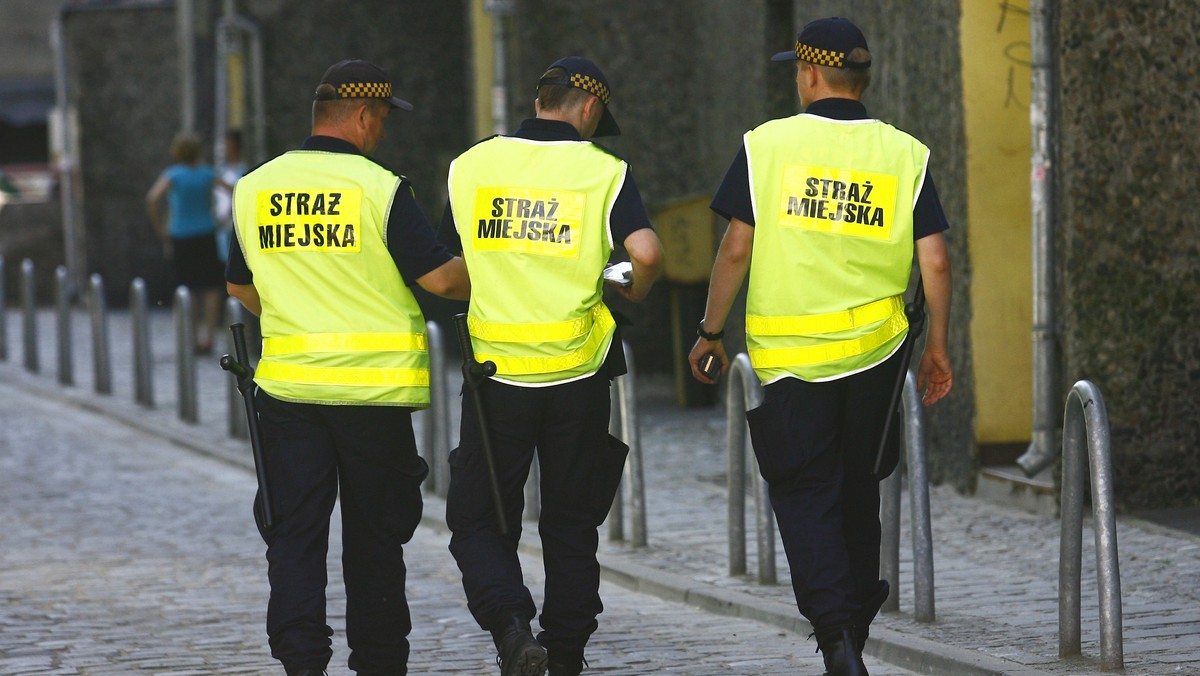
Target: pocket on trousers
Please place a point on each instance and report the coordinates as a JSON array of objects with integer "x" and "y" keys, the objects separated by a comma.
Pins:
[
  {"x": 607, "y": 470},
  {"x": 768, "y": 436}
]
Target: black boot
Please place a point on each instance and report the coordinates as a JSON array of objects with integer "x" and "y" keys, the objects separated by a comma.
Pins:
[
  {"x": 866, "y": 614},
  {"x": 566, "y": 662},
  {"x": 840, "y": 651},
  {"x": 520, "y": 653}
]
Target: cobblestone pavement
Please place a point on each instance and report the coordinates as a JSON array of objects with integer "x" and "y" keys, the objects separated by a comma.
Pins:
[
  {"x": 996, "y": 566},
  {"x": 124, "y": 553}
]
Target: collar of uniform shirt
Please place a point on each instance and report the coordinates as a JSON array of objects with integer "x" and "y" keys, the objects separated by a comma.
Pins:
[
  {"x": 536, "y": 129},
  {"x": 329, "y": 144},
  {"x": 838, "y": 109}
]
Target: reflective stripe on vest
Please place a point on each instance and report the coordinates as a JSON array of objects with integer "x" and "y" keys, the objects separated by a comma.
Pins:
[
  {"x": 830, "y": 322},
  {"x": 344, "y": 342},
  {"x": 807, "y": 355},
  {"x": 343, "y": 376},
  {"x": 600, "y": 325}
]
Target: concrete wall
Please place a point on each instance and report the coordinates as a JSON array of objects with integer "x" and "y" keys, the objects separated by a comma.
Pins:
[{"x": 1130, "y": 234}]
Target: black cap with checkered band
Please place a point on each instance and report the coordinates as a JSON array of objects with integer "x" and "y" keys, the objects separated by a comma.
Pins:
[
  {"x": 827, "y": 42},
  {"x": 357, "y": 79},
  {"x": 584, "y": 74}
]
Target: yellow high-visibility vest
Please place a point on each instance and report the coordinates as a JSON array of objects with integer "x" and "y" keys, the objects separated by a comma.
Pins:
[
  {"x": 533, "y": 220},
  {"x": 339, "y": 325},
  {"x": 833, "y": 244}
]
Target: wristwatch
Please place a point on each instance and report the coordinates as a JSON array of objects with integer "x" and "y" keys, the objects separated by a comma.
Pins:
[{"x": 706, "y": 335}]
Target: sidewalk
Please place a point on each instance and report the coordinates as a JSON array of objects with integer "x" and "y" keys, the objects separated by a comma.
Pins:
[{"x": 996, "y": 568}]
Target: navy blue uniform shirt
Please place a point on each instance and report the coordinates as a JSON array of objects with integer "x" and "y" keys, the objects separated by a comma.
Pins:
[
  {"x": 628, "y": 212},
  {"x": 732, "y": 199},
  {"x": 411, "y": 240}
]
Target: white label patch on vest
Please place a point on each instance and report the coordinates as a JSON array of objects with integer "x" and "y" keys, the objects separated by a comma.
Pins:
[
  {"x": 528, "y": 220},
  {"x": 837, "y": 201},
  {"x": 309, "y": 220}
]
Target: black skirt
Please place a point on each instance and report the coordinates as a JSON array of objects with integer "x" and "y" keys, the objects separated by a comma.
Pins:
[{"x": 196, "y": 263}]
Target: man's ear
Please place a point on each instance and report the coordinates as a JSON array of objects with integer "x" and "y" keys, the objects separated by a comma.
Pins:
[{"x": 592, "y": 106}]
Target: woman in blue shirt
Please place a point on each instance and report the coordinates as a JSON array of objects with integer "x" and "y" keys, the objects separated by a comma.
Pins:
[{"x": 188, "y": 231}]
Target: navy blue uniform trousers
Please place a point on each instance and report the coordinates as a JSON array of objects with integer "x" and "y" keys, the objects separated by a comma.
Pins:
[
  {"x": 816, "y": 445},
  {"x": 370, "y": 454},
  {"x": 568, "y": 425}
]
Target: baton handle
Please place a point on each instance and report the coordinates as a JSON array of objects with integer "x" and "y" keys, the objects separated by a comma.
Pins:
[{"x": 474, "y": 373}]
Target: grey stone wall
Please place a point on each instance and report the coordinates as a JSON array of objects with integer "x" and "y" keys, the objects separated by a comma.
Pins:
[
  {"x": 123, "y": 73},
  {"x": 1129, "y": 246}
]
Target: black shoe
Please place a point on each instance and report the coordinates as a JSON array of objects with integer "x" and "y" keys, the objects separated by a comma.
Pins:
[
  {"x": 520, "y": 653},
  {"x": 566, "y": 663},
  {"x": 305, "y": 672},
  {"x": 839, "y": 649}
]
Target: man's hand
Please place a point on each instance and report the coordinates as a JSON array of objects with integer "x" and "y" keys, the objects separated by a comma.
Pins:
[
  {"x": 701, "y": 348},
  {"x": 935, "y": 377}
]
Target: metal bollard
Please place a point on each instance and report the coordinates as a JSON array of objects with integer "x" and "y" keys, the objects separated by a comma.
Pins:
[
  {"x": 437, "y": 426},
  {"x": 1087, "y": 416},
  {"x": 916, "y": 455},
  {"x": 29, "y": 312},
  {"x": 616, "y": 513},
  {"x": 3, "y": 315},
  {"x": 185, "y": 362},
  {"x": 636, "y": 484},
  {"x": 62, "y": 313},
  {"x": 101, "y": 355},
  {"x": 143, "y": 388},
  {"x": 745, "y": 393},
  {"x": 237, "y": 406}
]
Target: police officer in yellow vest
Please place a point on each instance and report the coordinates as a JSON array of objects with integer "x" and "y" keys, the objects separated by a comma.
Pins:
[
  {"x": 832, "y": 204},
  {"x": 327, "y": 245},
  {"x": 537, "y": 214}
]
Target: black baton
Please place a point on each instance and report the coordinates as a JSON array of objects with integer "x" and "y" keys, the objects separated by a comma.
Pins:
[
  {"x": 240, "y": 368},
  {"x": 474, "y": 373},
  {"x": 915, "y": 312}
]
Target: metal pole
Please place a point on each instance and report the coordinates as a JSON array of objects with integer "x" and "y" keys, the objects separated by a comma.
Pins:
[
  {"x": 1086, "y": 417},
  {"x": 29, "y": 313},
  {"x": 918, "y": 496},
  {"x": 62, "y": 313},
  {"x": 889, "y": 541},
  {"x": 185, "y": 36},
  {"x": 143, "y": 375},
  {"x": 764, "y": 519},
  {"x": 636, "y": 484},
  {"x": 744, "y": 393},
  {"x": 616, "y": 513},
  {"x": 1042, "y": 112},
  {"x": 437, "y": 431},
  {"x": 3, "y": 315},
  {"x": 500, "y": 11},
  {"x": 101, "y": 356},
  {"x": 73, "y": 253},
  {"x": 236, "y": 404},
  {"x": 185, "y": 362}
]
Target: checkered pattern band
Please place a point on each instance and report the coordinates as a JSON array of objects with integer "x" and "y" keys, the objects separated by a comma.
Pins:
[
  {"x": 590, "y": 84},
  {"x": 365, "y": 90},
  {"x": 821, "y": 57}
]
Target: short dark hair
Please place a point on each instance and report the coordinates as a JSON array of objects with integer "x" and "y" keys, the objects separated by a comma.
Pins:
[
  {"x": 559, "y": 96},
  {"x": 849, "y": 78},
  {"x": 334, "y": 111}
]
